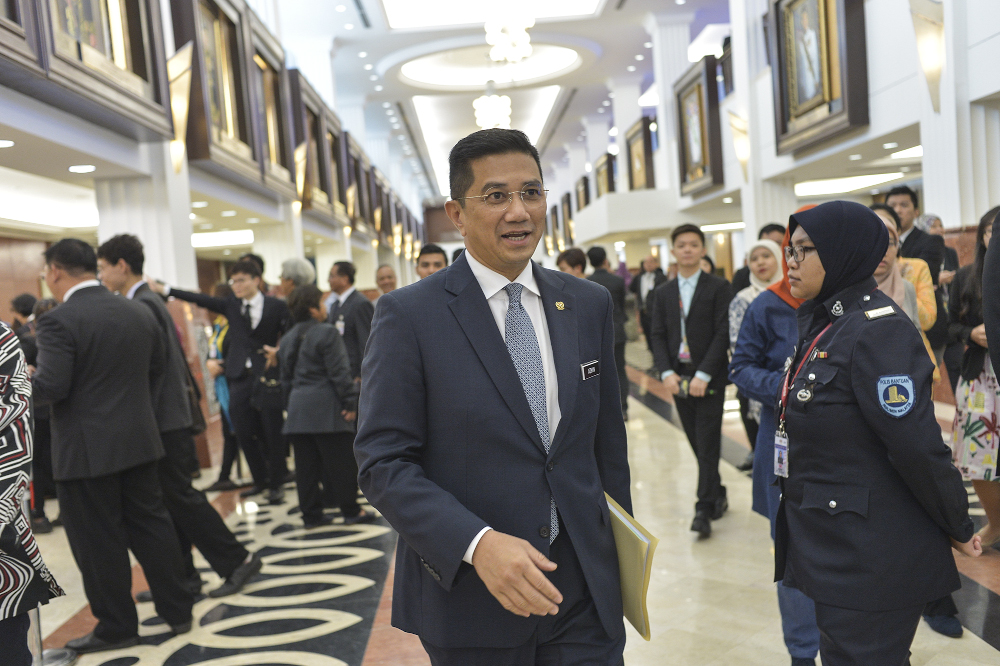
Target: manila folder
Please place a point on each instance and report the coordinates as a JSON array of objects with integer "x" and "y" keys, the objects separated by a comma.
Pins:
[{"x": 635, "y": 548}]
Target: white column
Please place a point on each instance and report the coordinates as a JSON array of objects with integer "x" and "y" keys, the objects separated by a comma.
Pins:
[
  {"x": 577, "y": 164},
  {"x": 156, "y": 209},
  {"x": 377, "y": 147},
  {"x": 277, "y": 242},
  {"x": 670, "y": 34},
  {"x": 596, "y": 129},
  {"x": 329, "y": 252},
  {"x": 365, "y": 263},
  {"x": 352, "y": 114},
  {"x": 625, "y": 105}
]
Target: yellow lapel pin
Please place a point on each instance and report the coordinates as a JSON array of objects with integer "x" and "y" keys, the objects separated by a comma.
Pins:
[{"x": 560, "y": 305}]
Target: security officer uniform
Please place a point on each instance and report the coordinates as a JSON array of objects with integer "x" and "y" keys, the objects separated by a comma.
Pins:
[{"x": 871, "y": 496}]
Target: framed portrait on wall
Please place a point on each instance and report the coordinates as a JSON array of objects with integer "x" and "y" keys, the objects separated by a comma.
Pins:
[
  {"x": 567, "y": 217},
  {"x": 604, "y": 173},
  {"x": 696, "y": 95},
  {"x": 582, "y": 193},
  {"x": 639, "y": 140},
  {"x": 557, "y": 236},
  {"x": 820, "y": 77}
]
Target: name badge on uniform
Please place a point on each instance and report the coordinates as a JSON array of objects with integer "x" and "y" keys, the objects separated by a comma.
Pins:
[
  {"x": 590, "y": 369},
  {"x": 340, "y": 325},
  {"x": 781, "y": 455},
  {"x": 895, "y": 394}
]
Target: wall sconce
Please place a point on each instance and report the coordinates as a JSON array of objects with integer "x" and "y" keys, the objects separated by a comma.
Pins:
[
  {"x": 741, "y": 141},
  {"x": 179, "y": 77},
  {"x": 550, "y": 246},
  {"x": 301, "y": 155},
  {"x": 928, "y": 23}
]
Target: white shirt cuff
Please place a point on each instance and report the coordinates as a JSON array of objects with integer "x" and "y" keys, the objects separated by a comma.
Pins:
[
  {"x": 472, "y": 546},
  {"x": 166, "y": 290},
  {"x": 703, "y": 376},
  {"x": 667, "y": 374}
]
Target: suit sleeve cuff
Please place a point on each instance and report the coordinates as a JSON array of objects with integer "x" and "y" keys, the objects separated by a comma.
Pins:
[
  {"x": 703, "y": 376},
  {"x": 475, "y": 542},
  {"x": 666, "y": 374}
]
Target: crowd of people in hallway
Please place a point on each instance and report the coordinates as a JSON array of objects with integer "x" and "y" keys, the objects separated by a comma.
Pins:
[{"x": 482, "y": 412}]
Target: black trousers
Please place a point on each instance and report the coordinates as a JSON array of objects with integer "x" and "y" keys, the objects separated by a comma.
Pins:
[
  {"x": 230, "y": 450},
  {"x": 14, "y": 640},
  {"x": 865, "y": 638},
  {"x": 943, "y": 606},
  {"x": 751, "y": 426},
  {"x": 328, "y": 458},
  {"x": 622, "y": 375},
  {"x": 104, "y": 518},
  {"x": 42, "y": 482},
  {"x": 702, "y": 421},
  {"x": 647, "y": 328},
  {"x": 573, "y": 637},
  {"x": 196, "y": 521},
  {"x": 259, "y": 435}
]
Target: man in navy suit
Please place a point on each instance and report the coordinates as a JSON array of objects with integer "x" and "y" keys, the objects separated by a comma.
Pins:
[{"x": 491, "y": 426}]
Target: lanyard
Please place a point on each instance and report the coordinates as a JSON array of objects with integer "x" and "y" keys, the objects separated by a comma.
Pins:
[{"x": 790, "y": 378}]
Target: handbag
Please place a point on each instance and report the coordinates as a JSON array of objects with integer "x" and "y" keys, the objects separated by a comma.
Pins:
[{"x": 268, "y": 392}]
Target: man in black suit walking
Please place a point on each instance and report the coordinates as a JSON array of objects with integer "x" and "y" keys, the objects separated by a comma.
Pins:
[
  {"x": 915, "y": 243},
  {"x": 120, "y": 261},
  {"x": 599, "y": 260},
  {"x": 255, "y": 321},
  {"x": 690, "y": 344},
  {"x": 643, "y": 286},
  {"x": 351, "y": 312},
  {"x": 99, "y": 358}
]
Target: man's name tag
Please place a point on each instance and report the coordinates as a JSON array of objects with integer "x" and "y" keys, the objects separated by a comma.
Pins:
[
  {"x": 590, "y": 369},
  {"x": 340, "y": 325},
  {"x": 781, "y": 455}
]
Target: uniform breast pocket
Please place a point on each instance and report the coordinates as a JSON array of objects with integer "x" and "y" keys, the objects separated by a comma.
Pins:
[
  {"x": 835, "y": 498},
  {"x": 816, "y": 384}
]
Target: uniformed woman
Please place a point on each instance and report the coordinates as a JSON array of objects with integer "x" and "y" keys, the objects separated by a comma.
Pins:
[{"x": 871, "y": 503}]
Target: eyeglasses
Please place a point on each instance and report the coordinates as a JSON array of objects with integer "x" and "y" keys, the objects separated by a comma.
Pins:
[
  {"x": 242, "y": 280},
  {"x": 797, "y": 252},
  {"x": 498, "y": 201}
]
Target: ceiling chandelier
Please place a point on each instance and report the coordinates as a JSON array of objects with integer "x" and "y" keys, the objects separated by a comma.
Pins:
[
  {"x": 509, "y": 38},
  {"x": 492, "y": 110}
]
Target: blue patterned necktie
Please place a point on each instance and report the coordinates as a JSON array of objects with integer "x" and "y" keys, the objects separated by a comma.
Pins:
[{"x": 522, "y": 343}]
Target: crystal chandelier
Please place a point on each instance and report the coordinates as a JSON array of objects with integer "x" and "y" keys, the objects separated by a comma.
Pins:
[
  {"x": 509, "y": 38},
  {"x": 492, "y": 110}
]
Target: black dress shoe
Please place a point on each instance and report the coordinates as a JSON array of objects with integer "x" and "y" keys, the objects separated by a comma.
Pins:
[
  {"x": 178, "y": 629},
  {"x": 221, "y": 485},
  {"x": 238, "y": 578},
  {"x": 721, "y": 505},
  {"x": 251, "y": 491},
  {"x": 275, "y": 495},
  {"x": 41, "y": 525},
  {"x": 319, "y": 522},
  {"x": 702, "y": 525},
  {"x": 747, "y": 463},
  {"x": 91, "y": 643}
]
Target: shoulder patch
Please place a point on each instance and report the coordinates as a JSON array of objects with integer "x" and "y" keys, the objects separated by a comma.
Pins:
[
  {"x": 880, "y": 312},
  {"x": 895, "y": 394}
]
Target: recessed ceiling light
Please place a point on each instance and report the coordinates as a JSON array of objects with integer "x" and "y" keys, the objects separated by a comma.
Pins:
[
  {"x": 6, "y": 143},
  {"x": 648, "y": 45},
  {"x": 680, "y": 2},
  {"x": 909, "y": 153},
  {"x": 379, "y": 88},
  {"x": 613, "y": 148},
  {"x": 83, "y": 168},
  {"x": 630, "y": 68},
  {"x": 386, "y": 105},
  {"x": 653, "y": 127},
  {"x": 600, "y": 110},
  {"x": 613, "y": 131},
  {"x": 611, "y": 94},
  {"x": 228, "y": 213},
  {"x": 390, "y": 112},
  {"x": 192, "y": 216},
  {"x": 640, "y": 57},
  {"x": 854, "y": 158},
  {"x": 227, "y": 252},
  {"x": 362, "y": 54},
  {"x": 253, "y": 220},
  {"x": 348, "y": 26},
  {"x": 199, "y": 204},
  {"x": 369, "y": 67},
  {"x": 341, "y": 8},
  {"x": 373, "y": 77},
  {"x": 727, "y": 200},
  {"x": 890, "y": 145},
  {"x": 605, "y": 103}
]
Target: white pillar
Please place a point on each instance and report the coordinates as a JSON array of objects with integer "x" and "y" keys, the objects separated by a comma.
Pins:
[
  {"x": 625, "y": 105},
  {"x": 352, "y": 115},
  {"x": 596, "y": 129},
  {"x": 329, "y": 252},
  {"x": 577, "y": 165},
  {"x": 377, "y": 147},
  {"x": 277, "y": 242},
  {"x": 670, "y": 34},
  {"x": 365, "y": 263},
  {"x": 156, "y": 209}
]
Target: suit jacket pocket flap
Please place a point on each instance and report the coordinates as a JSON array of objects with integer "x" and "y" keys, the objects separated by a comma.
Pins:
[{"x": 835, "y": 498}]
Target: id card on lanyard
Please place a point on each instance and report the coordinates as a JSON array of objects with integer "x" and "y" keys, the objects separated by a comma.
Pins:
[
  {"x": 781, "y": 437},
  {"x": 684, "y": 353}
]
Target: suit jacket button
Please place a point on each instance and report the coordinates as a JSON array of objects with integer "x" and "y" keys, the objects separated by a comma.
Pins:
[
  {"x": 544, "y": 532},
  {"x": 550, "y": 466},
  {"x": 833, "y": 504}
]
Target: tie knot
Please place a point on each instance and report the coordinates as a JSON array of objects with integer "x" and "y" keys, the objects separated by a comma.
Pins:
[{"x": 514, "y": 292}]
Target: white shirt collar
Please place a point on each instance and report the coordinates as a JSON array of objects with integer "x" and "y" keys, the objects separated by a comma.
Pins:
[
  {"x": 492, "y": 282},
  {"x": 77, "y": 287},
  {"x": 905, "y": 234},
  {"x": 257, "y": 300},
  {"x": 343, "y": 297},
  {"x": 135, "y": 288},
  {"x": 691, "y": 281}
]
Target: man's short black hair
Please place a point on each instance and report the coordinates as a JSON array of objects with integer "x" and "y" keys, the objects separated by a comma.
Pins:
[
  {"x": 456, "y": 254},
  {"x": 255, "y": 258},
  {"x": 431, "y": 248},
  {"x": 484, "y": 143},
  {"x": 123, "y": 246},
  {"x": 597, "y": 255},
  {"x": 245, "y": 267},
  {"x": 346, "y": 269},
  {"x": 770, "y": 229},
  {"x": 890, "y": 212},
  {"x": 574, "y": 258},
  {"x": 23, "y": 304},
  {"x": 687, "y": 229},
  {"x": 73, "y": 255},
  {"x": 903, "y": 189},
  {"x": 301, "y": 299},
  {"x": 710, "y": 262}
]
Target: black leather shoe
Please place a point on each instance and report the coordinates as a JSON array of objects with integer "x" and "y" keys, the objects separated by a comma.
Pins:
[
  {"x": 702, "y": 525},
  {"x": 721, "y": 506},
  {"x": 319, "y": 522},
  {"x": 363, "y": 517},
  {"x": 221, "y": 485},
  {"x": 251, "y": 491},
  {"x": 802, "y": 661},
  {"x": 747, "y": 463},
  {"x": 946, "y": 625},
  {"x": 91, "y": 643},
  {"x": 238, "y": 578},
  {"x": 275, "y": 495},
  {"x": 41, "y": 525},
  {"x": 178, "y": 629}
]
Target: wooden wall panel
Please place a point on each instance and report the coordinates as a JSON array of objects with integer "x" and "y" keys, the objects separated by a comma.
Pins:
[{"x": 21, "y": 265}]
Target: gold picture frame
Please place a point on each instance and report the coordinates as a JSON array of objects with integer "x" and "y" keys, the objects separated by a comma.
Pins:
[
  {"x": 696, "y": 96},
  {"x": 807, "y": 53},
  {"x": 604, "y": 170}
]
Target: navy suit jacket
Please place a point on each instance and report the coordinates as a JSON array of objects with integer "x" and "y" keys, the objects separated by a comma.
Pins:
[{"x": 447, "y": 445}]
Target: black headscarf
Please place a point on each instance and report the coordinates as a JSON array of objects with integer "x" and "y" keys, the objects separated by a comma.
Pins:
[{"x": 850, "y": 239}]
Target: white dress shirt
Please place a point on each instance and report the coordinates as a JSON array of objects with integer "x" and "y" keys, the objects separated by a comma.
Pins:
[
  {"x": 131, "y": 292},
  {"x": 77, "y": 287},
  {"x": 492, "y": 284},
  {"x": 906, "y": 234},
  {"x": 256, "y": 308},
  {"x": 334, "y": 296},
  {"x": 646, "y": 283}
]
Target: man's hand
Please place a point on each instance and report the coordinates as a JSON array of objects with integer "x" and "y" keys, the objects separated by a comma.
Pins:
[
  {"x": 945, "y": 277},
  {"x": 271, "y": 354},
  {"x": 512, "y": 571},
  {"x": 972, "y": 548},
  {"x": 215, "y": 367},
  {"x": 155, "y": 285},
  {"x": 31, "y": 371},
  {"x": 978, "y": 335},
  {"x": 672, "y": 384},
  {"x": 697, "y": 388},
  {"x": 349, "y": 416}
]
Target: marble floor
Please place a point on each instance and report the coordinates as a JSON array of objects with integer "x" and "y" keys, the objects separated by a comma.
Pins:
[{"x": 321, "y": 598}]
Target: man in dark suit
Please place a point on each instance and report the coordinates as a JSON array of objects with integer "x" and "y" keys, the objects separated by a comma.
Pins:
[
  {"x": 490, "y": 430},
  {"x": 351, "y": 312},
  {"x": 690, "y": 344},
  {"x": 120, "y": 260},
  {"x": 643, "y": 286},
  {"x": 913, "y": 242},
  {"x": 741, "y": 278},
  {"x": 99, "y": 358},
  {"x": 255, "y": 321},
  {"x": 616, "y": 286}
]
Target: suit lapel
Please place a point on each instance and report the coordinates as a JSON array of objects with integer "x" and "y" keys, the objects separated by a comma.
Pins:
[
  {"x": 564, "y": 335},
  {"x": 675, "y": 311},
  {"x": 476, "y": 319}
]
